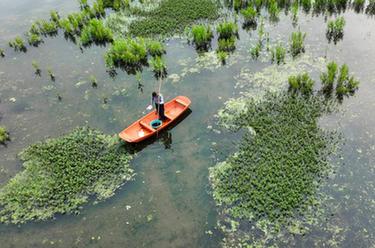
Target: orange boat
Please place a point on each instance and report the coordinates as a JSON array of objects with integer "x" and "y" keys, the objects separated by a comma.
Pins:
[{"x": 142, "y": 129}]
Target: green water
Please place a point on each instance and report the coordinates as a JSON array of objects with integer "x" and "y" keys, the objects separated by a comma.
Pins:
[{"x": 168, "y": 204}]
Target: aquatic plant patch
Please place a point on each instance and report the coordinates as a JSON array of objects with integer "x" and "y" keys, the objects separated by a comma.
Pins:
[
  {"x": 172, "y": 17},
  {"x": 273, "y": 178},
  {"x": 60, "y": 174},
  {"x": 95, "y": 32},
  {"x": 4, "y": 135}
]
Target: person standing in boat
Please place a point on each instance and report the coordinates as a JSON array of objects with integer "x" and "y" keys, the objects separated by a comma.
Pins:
[{"x": 158, "y": 100}]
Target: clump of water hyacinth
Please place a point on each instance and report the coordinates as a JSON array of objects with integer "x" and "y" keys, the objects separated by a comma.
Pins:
[
  {"x": 296, "y": 43},
  {"x": 61, "y": 174},
  {"x": 202, "y": 36},
  {"x": 335, "y": 29},
  {"x": 18, "y": 44}
]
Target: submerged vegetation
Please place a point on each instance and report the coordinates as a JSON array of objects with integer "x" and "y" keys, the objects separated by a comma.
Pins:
[{"x": 60, "y": 174}]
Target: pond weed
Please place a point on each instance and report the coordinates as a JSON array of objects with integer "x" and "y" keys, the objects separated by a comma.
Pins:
[
  {"x": 296, "y": 43},
  {"x": 155, "y": 48},
  {"x": 370, "y": 9},
  {"x": 60, "y": 174},
  {"x": 18, "y": 44},
  {"x": 227, "y": 45},
  {"x": 202, "y": 36}
]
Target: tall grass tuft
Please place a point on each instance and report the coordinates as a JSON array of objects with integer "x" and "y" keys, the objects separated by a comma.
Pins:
[
  {"x": 2, "y": 53},
  {"x": 335, "y": 29},
  {"x": 328, "y": 78},
  {"x": 36, "y": 67},
  {"x": 96, "y": 32},
  {"x": 54, "y": 16},
  {"x": 297, "y": 40},
  {"x": 18, "y": 44},
  {"x": 227, "y": 29},
  {"x": 249, "y": 14},
  {"x": 155, "y": 48},
  {"x": 4, "y": 135},
  {"x": 202, "y": 36},
  {"x": 301, "y": 83},
  {"x": 278, "y": 54}
]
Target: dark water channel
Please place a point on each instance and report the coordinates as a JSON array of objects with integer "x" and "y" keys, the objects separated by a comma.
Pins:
[{"x": 168, "y": 204}]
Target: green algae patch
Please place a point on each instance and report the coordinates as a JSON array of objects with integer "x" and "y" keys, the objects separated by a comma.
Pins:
[
  {"x": 272, "y": 182},
  {"x": 60, "y": 174}
]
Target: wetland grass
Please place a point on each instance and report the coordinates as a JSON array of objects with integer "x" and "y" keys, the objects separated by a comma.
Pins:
[
  {"x": 255, "y": 50},
  {"x": 155, "y": 48},
  {"x": 222, "y": 56},
  {"x": 61, "y": 174},
  {"x": 94, "y": 81},
  {"x": 202, "y": 36},
  {"x": 36, "y": 67},
  {"x": 158, "y": 66},
  {"x": 296, "y": 43},
  {"x": 54, "y": 16},
  {"x": 335, "y": 29},
  {"x": 4, "y": 135},
  {"x": 18, "y": 44},
  {"x": 95, "y": 32},
  {"x": 2, "y": 53},
  {"x": 301, "y": 83},
  {"x": 278, "y": 54},
  {"x": 250, "y": 16},
  {"x": 328, "y": 78},
  {"x": 227, "y": 30},
  {"x": 34, "y": 39},
  {"x": 370, "y": 9},
  {"x": 51, "y": 74}
]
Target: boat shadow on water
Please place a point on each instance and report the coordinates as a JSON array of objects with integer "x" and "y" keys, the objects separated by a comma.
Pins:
[{"x": 164, "y": 135}]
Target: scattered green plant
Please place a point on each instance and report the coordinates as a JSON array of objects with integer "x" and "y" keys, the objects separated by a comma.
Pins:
[
  {"x": 278, "y": 54},
  {"x": 94, "y": 81},
  {"x": 155, "y": 48},
  {"x": 273, "y": 10},
  {"x": 61, "y": 174},
  {"x": 18, "y": 44},
  {"x": 95, "y": 32},
  {"x": 226, "y": 30},
  {"x": 34, "y": 39},
  {"x": 128, "y": 53},
  {"x": 346, "y": 84},
  {"x": 335, "y": 29},
  {"x": 158, "y": 66},
  {"x": 301, "y": 83},
  {"x": 4, "y": 135},
  {"x": 51, "y": 74},
  {"x": 297, "y": 40},
  {"x": 222, "y": 56},
  {"x": 370, "y": 9},
  {"x": 202, "y": 36},
  {"x": 2, "y": 53},
  {"x": 328, "y": 78},
  {"x": 249, "y": 14},
  {"x": 227, "y": 45},
  {"x": 358, "y": 5},
  {"x": 255, "y": 50},
  {"x": 55, "y": 17},
  {"x": 36, "y": 67}
]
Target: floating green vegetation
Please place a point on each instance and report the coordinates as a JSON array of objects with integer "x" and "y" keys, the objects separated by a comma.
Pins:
[
  {"x": 335, "y": 29},
  {"x": 4, "y": 135},
  {"x": 36, "y": 67},
  {"x": 158, "y": 66},
  {"x": 345, "y": 84},
  {"x": 60, "y": 174},
  {"x": 95, "y": 32},
  {"x": 202, "y": 36},
  {"x": 301, "y": 83},
  {"x": 278, "y": 54},
  {"x": 18, "y": 44},
  {"x": 172, "y": 17},
  {"x": 129, "y": 54},
  {"x": 272, "y": 180},
  {"x": 155, "y": 48},
  {"x": 297, "y": 40}
]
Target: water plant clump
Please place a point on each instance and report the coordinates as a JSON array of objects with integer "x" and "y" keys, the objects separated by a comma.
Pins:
[
  {"x": 4, "y": 135},
  {"x": 158, "y": 66},
  {"x": 274, "y": 176},
  {"x": 34, "y": 39},
  {"x": 54, "y": 16},
  {"x": 358, "y": 5},
  {"x": 172, "y": 17},
  {"x": 297, "y": 40},
  {"x": 94, "y": 81},
  {"x": 370, "y": 9},
  {"x": 222, "y": 56},
  {"x": 278, "y": 54},
  {"x": 60, "y": 174},
  {"x": 328, "y": 78},
  {"x": 36, "y": 67},
  {"x": 51, "y": 74},
  {"x": 155, "y": 48},
  {"x": 131, "y": 54},
  {"x": 202, "y": 36},
  {"x": 227, "y": 45},
  {"x": 301, "y": 83},
  {"x": 47, "y": 27},
  {"x": 273, "y": 10},
  {"x": 95, "y": 32},
  {"x": 227, "y": 30},
  {"x": 249, "y": 14},
  {"x": 335, "y": 29},
  {"x": 2, "y": 53},
  {"x": 18, "y": 44},
  {"x": 255, "y": 50}
]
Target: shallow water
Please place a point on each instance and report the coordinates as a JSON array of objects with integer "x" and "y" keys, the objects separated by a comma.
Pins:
[{"x": 169, "y": 200}]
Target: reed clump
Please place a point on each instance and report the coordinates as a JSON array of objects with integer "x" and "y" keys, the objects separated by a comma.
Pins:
[
  {"x": 155, "y": 48},
  {"x": 202, "y": 36},
  {"x": 278, "y": 54},
  {"x": 4, "y": 135},
  {"x": 296, "y": 43},
  {"x": 18, "y": 44},
  {"x": 335, "y": 29},
  {"x": 95, "y": 32},
  {"x": 158, "y": 66}
]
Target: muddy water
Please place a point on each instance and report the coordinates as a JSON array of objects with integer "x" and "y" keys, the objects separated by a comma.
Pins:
[{"x": 168, "y": 204}]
